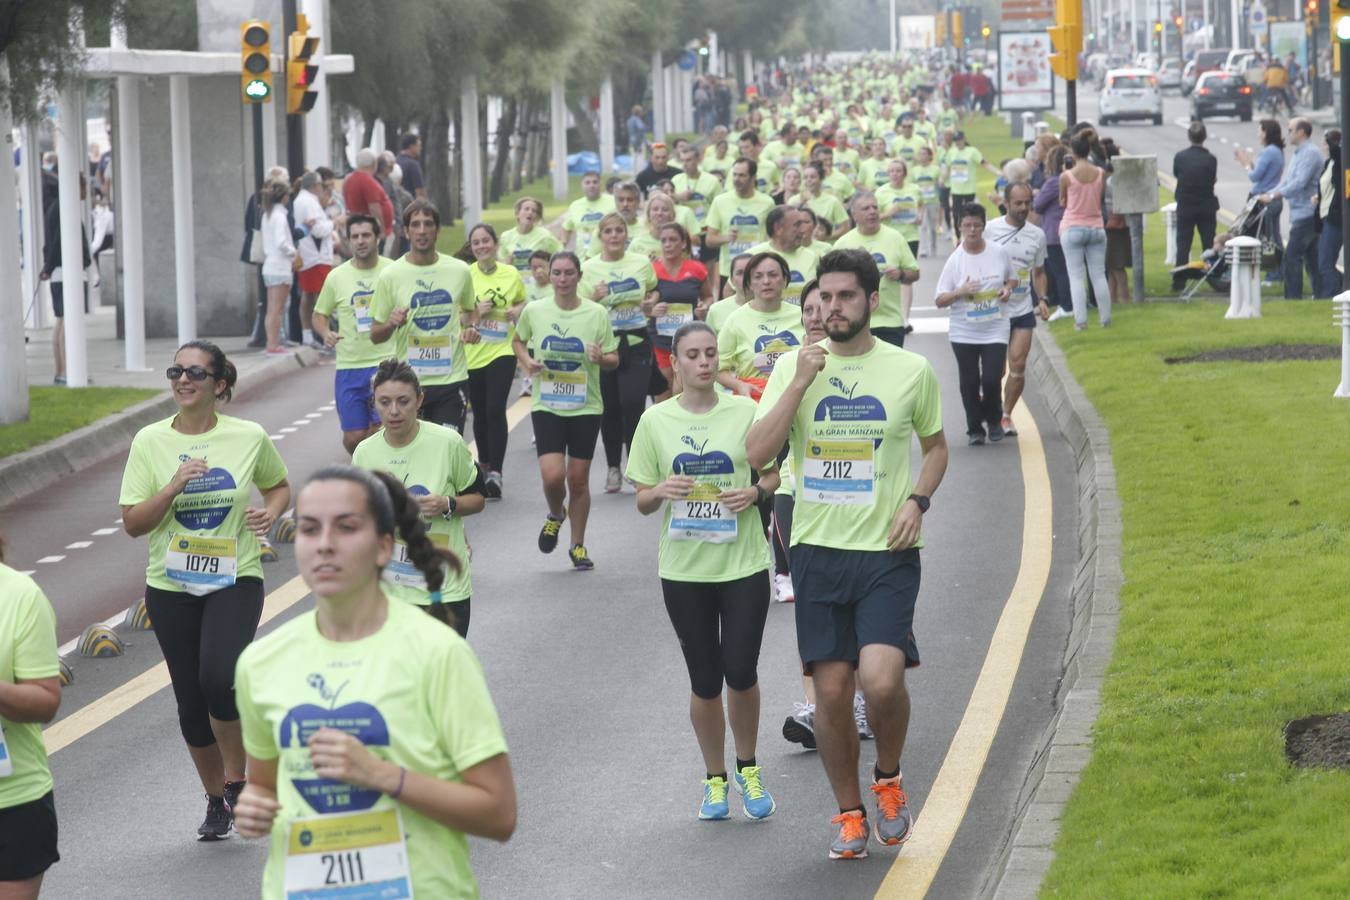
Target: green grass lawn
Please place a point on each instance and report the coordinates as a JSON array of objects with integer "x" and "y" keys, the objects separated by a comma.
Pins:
[
  {"x": 501, "y": 215},
  {"x": 1233, "y": 614},
  {"x": 54, "y": 411}
]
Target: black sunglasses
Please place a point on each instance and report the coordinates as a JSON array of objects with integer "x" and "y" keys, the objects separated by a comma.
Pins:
[{"x": 196, "y": 373}]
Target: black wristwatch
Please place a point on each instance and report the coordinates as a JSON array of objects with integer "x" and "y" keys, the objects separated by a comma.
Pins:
[
  {"x": 760, "y": 495},
  {"x": 922, "y": 500},
  {"x": 451, "y": 504}
]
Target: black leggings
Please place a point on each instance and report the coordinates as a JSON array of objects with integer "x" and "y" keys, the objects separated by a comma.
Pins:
[
  {"x": 624, "y": 391},
  {"x": 981, "y": 370},
  {"x": 454, "y": 614},
  {"x": 201, "y": 638},
  {"x": 783, "y": 505},
  {"x": 444, "y": 405},
  {"x": 489, "y": 388},
  {"x": 720, "y": 626}
]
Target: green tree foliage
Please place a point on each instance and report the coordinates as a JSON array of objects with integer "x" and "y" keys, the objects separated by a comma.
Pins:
[{"x": 41, "y": 46}]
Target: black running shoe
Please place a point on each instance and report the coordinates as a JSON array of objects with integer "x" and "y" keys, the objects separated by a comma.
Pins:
[
  {"x": 492, "y": 486},
  {"x": 216, "y": 827},
  {"x": 232, "y": 791},
  {"x": 548, "y": 535}
]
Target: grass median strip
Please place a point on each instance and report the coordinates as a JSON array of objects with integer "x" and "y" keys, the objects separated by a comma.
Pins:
[
  {"x": 54, "y": 411},
  {"x": 1233, "y": 618}
]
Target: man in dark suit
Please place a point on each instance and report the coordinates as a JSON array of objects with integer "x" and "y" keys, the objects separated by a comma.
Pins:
[{"x": 1196, "y": 170}]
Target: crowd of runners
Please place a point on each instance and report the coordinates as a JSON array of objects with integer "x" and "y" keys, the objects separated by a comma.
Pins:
[{"x": 730, "y": 329}]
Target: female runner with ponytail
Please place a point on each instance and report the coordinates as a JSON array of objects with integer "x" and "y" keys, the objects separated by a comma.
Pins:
[
  {"x": 436, "y": 468},
  {"x": 373, "y": 746}
]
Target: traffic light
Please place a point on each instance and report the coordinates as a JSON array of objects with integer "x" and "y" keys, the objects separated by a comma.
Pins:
[
  {"x": 1178, "y": 22},
  {"x": 958, "y": 34},
  {"x": 941, "y": 35},
  {"x": 984, "y": 32},
  {"x": 1157, "y": 27},
  {"x": 255, "y": 61},
  {"x": 1067, "y": 38},
  {"x": 300, "y": 72},
  {"x": 1343, "y": 20}
]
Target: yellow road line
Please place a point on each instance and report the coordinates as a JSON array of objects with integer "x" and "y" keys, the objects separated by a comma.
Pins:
[
  {"x": 913, "y": 871},
  {"x": 103, "y": 710},
  {"x": 100, "y": 712}
]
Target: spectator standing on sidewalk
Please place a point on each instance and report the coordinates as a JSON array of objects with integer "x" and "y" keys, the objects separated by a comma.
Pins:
[
  {"x": 410, "y": 161},
  {"x": 637, "y": 135},
  {"x": 315, "y": 248},
  {"x": 278, "y": 255},
  {"x": 53, "y": 274},
  {"x": 363, "y": 194},
  {"x": 1081, "y": 190},
  {"x": 1329, "y": 219},
  {"x": 1196, "y": 171},
  {"x": 1264, "y": 172},
  {"x": 1299, "y": 188}
]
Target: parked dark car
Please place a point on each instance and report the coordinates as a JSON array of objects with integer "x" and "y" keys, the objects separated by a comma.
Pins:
[
  {"x": 1204, "y": 61},
  {"x": 1221, "y": 94}
]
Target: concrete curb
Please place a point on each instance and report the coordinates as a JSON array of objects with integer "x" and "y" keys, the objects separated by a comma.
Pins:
[
  {"x": 1066, "y": 746},
  {"x": 26, "y": 473}
]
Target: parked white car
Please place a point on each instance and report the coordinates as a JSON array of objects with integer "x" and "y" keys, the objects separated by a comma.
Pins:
[{"x": 1130, "y": 94}]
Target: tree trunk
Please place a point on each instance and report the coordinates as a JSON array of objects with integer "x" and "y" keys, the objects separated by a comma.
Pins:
[
  {"x": 520, "y": 146},
  {"x": 587, "y": 139},
  {"x": 436, "y": 162},
  {"x": 457, "y": 162},
  {"x": 506, "y": 126}
]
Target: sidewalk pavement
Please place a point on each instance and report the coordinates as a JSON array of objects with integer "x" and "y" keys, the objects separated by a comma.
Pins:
[{"x": 32, "y": 470}]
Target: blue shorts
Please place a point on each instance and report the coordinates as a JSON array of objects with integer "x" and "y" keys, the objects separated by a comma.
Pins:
[
  {"x": 847, "y": 599},
  {"x": 355, "y": 404}
]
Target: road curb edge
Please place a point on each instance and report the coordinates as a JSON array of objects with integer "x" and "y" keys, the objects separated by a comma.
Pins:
[{"x": 1065, "y": 747}]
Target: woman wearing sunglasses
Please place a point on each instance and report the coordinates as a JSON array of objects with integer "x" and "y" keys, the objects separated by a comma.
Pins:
[{"x": 189, "y": 485}]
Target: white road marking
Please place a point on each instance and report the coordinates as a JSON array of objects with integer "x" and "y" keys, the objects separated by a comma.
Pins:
[
  {"x": 277, "y": 437},
  {"x": 300, "y": 422},
  {"x": 313, "y": 415},
  {"x": 79, "y": 545},
  {"x": 50, "y": 559},
  {"x": 103, "y": 532},
  {"x": 28, "y": 571},
  {"x": 287, "y": 430}
]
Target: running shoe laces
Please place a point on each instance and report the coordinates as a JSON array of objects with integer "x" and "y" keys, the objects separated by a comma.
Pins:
[
  {"x": 714, "y": 799},
  {"x": 852, "y": 826},
  {"x": 752, "y": 782},
  {"x": 891, "y": 798}
]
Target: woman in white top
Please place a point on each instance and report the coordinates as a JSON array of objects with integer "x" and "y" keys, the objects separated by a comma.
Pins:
[
  {"x": 278, "y": 259},
  {"x": 976, "y": 283}
]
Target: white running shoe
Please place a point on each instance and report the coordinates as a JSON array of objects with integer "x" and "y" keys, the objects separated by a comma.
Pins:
[
  {"x": 613, "y": 480},
  {"x": 860, "y": 716},
  {"x": 1059, "y": 313},
  {"x": 783, "y": 588}
]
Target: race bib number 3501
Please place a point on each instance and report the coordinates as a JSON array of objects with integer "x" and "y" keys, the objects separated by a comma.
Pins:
[
  {"x": 361, "y": 855},
  {"x": 562, "y": 390},
  {"x": 838, "y": 471}
]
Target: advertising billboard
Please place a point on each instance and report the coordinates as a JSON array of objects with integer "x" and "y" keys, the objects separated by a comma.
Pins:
[{"x": 1024, "y": 78}]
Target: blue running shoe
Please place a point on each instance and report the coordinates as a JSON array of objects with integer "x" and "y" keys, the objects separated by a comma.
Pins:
[
  {"x": 757, "y": 801},
  {"x": 714, "y": 800}
]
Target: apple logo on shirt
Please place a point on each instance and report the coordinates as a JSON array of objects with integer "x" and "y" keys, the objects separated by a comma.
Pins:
[
  {"x": 359, "y": 719},
  {"x": 848, "y": 408},
  {"x": 744, "y": 219},
  {"x": 431, "y": 306},
  {"x": 205, "y": 501},
  {"x": 713, "y": 462},
  {"x": 621, "y": 286},
  {"x": 572, "y": 351}
]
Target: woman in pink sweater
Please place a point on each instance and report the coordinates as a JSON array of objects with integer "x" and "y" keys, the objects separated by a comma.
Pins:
[{"x": 1081, "y": 231}]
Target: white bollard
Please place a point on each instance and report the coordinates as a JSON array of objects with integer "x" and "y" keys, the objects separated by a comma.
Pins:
[
  {"x": 1340, "y": 311},
  {"x": 1170, "y": 220},
  {"x": 1028, "y": 128},
  {"x": 1244, "y": 294}
]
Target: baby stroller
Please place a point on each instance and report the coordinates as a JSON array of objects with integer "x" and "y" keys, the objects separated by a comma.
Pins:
[{"x": 1213, "y": 268}]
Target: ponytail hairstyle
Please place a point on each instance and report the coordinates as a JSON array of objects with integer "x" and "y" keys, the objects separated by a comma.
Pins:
[
  {"x": 465, "y": 252},
  {"x": 397, "y": 514},
  {"x": 394, "y": 369},
  {"x": 221, "y": 368}
]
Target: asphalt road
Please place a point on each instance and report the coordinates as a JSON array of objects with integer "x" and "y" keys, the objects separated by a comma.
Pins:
[{"x": 589, "y": 683}]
